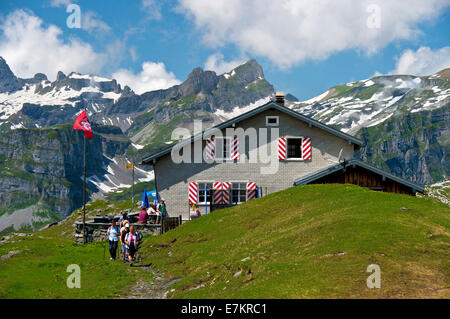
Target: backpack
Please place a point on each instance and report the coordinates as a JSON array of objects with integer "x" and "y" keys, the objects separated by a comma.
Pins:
[
  {"x": 124, "y": 234},
  {"x": 163, "y": 210},
  {"x": 139, "y": 236},
  {"x": 115, "y": 227}
]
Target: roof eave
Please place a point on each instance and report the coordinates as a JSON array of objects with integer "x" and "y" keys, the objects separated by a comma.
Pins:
[{"x": 334, "y": 168}]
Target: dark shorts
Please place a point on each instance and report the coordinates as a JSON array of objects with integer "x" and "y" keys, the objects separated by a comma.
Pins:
[{"x": 131, "y": 251}]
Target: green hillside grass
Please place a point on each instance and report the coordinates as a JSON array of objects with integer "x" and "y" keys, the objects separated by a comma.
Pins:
[
  {"x": 39, "y": 270},
  {"x": 311, "y": 241}
]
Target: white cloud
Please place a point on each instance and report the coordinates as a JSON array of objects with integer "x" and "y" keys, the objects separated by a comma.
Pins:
[
  {"x": 153, "y": 76},
  {"x": 289, "y": 32},
  {"x": 215, "y": 62},
  {"x": 424, "y": 61},
  {"x": 60, "y": 3},
  {"x": 89, "y": 19},
  {"x": 133, "y": 54},
  {"x": 152, "y": 8},
  {"x": 29, "y": 47},
  {"x": 91, "y": 23}
]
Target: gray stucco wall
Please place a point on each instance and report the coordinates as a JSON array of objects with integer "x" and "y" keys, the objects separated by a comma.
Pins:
[{"x": 173, "y": 179}]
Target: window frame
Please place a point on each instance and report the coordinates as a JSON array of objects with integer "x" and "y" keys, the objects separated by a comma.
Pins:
[
  {"x": 239, "y": 195},
  {"x": 229, "y": 141},
  {"x": 272, "y": 117},
  {"x": 294, "y": 159},
  {"x": 202, "y": 203}
]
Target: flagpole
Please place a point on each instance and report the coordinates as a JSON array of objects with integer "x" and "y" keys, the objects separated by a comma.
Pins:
[
  {"x": 84, "y": 190},
  {"x": 132, "y": 198},
  {"x": 82, "y": 123},
  {"x": 84, "y": 184}
]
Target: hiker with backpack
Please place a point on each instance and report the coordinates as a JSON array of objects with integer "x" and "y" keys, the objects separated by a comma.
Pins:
[
  {"x": 132, "y": 241},
  {"x": 124, "y": 218},
  {"x": 123, "y": 247},
  {"x": 113, "y": 237},
  {"x": 162, "y": 208}
]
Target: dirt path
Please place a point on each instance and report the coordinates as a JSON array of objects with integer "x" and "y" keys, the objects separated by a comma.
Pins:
[{"x": 155, "y": 289}]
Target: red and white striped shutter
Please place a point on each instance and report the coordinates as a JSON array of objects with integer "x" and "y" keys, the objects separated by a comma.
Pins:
[
  {"x": 281, "y": 148},
  {"x": 217, "y": 193},
  {"x": 235, "y": 148},
  {"x": 210, "y": 148},
  {"x": 306, "y": 148},
  {"x": 226, "y": 187},
  {"x": 251, "y": 190},
  {"x": 193, "y": 192}
]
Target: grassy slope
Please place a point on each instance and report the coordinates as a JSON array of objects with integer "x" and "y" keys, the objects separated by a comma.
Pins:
[
  {"x": 39, "y": 271},
  {"x": 293, "y": 240}
]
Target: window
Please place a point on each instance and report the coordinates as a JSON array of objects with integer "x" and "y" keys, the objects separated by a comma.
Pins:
[
  {"x": 225, "y": 144},
  {"x": 272, "y": 120},
  {"x": 238, "y": 192},
  {"x": 201, "y": 192},
  {"x": 294, "y": 147}
]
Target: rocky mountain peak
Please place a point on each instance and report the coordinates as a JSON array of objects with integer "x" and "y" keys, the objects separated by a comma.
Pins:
[
  {"x": 199, "y": 81},
  {"x": 40, "y": 77},
  {"x": 8, "y": 81},
  {"x": 60, "y": 76},
  {"x": 443, "y": 74},
  {"x": 249, "y": 71}
]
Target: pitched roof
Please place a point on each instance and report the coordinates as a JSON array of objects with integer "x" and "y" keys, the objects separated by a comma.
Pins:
[
  {"x": 262, "y": 108},
  {"x": 354, "y": 161}
]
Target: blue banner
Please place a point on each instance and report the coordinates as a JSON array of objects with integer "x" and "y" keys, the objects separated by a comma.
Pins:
[
  {"x": 151, "y": 193},
  {"x": 145, "y": 202}
]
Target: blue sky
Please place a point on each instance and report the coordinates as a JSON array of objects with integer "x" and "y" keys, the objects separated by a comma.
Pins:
[{"x": 303, "y": 47}]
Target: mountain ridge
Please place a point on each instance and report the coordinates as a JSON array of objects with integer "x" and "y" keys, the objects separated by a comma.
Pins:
[{"x": 402, "y": 119}]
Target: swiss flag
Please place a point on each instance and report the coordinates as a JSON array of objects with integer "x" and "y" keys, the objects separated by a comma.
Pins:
[{"x": 82, "y": 123}]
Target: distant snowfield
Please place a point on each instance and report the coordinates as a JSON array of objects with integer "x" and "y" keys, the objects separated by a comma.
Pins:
[
  {"x": 351, "y": 113},
  {"x": 11, "y": 103},
  {"x": 117, "y": 176},
  {"x": 317, "y": 98},
  {"x": 241, "y": 110}
]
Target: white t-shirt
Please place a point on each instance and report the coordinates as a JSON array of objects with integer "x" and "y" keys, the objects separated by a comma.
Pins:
[{"x": 113, "y": 233}]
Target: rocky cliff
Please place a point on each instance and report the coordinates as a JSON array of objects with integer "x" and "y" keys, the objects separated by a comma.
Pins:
[{"x": 44, "y": 167}]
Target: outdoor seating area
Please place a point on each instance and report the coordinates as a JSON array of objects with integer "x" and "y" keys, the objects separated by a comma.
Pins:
[{"x": 97, "y": 227}]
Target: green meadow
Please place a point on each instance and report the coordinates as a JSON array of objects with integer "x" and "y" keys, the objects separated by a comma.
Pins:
[{"x": 312, "y": 241}]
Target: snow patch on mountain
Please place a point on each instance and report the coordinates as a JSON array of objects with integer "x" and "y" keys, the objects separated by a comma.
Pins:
[
  {"x": 12, "y": 102},
  {"x": 241, "y": 110},
  {"x": 360, "y": 106},
  {"x": 117, "y": 176}
]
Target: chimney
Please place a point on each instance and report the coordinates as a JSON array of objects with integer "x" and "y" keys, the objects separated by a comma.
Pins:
[{"x": 279, "y": 98}]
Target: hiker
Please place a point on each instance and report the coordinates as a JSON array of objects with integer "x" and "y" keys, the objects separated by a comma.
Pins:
[
  {"x": 162, "y": 208},
  {"x": 158, "y": 213},
  {"x": 151, "y": 212},
  {"x": 113, "y": 233},
  {"x": 132, "y": 242},
  {"x": 124, "y": 218},
  {"x": 123, "y": 247},
  {"x": 143, "y": 215}
]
